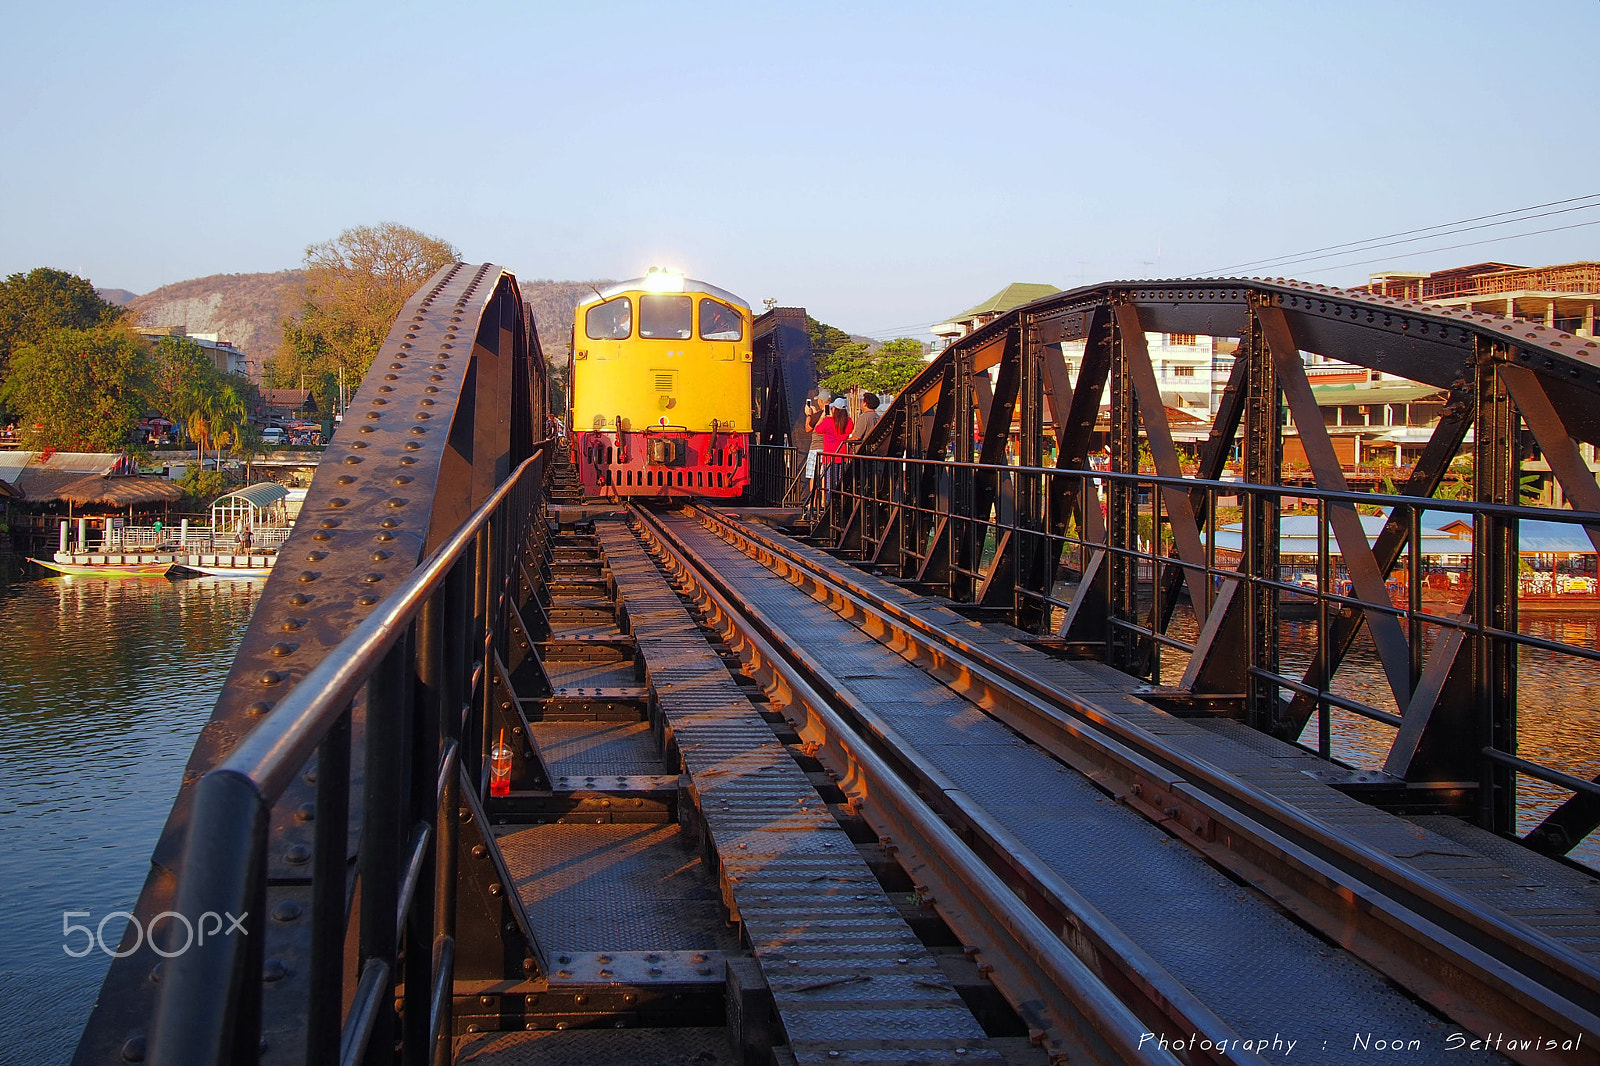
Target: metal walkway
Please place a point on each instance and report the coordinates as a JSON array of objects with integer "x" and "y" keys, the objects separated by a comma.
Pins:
[{"x": 1259, "y": 970}]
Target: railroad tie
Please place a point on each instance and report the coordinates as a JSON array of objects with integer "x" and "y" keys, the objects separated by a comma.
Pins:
[{"x": 850, "y": 981}]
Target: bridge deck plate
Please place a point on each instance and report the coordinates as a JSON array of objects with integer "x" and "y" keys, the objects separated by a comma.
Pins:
[
  {"x": 1259, "y": 971},
  {"x": 850, "y": 981},
  {"x": 1547, "y": 895}
]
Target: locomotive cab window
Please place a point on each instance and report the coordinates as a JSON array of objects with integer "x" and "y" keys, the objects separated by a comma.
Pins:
[
  {"x": 610, "y": 321},
  {"x": 665, "y": 316},
  {"x": 719, "y": 322}
]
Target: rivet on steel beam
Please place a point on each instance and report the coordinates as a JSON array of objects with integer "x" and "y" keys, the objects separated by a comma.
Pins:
[
  {"x": 394, "y": 501},
  {"x": 286, "y": 911},
  {"x": 322, "y": 534},
  {"x": 431, "y": 389},
  {"x": 380, "y": 556},
  {"x": 407, "y": 460},
  {"x": 385, "y": 535},
  {"x": 338, "y": 501},
  {"x": 259, "y": 707},
  {"x": 306, "y": 812},
  {"x": 367, "y": 429},
  {"x": 299, "y": 599},
  {"x": 435, "y": 377},
  {"x": 290, "y": 625},
  {"x": 344, "y": 479},
  {"x": 412, "y": 446},
  {"x": 270, "y": 677},
  {"x": 417, "y": 430},
  {"x": 316, "y": 557},
  {"x": 331, "y": 523},
  {"x": 308, "y": 575},
  {"x": 390, "y": 523},
  {"x": 297, "y": 855},
  {"x": 360, "y": 444},
  {"x": 155, "y": 974},
  {"x": 133, "y": 1050},
  {"x": 371, "y": 578},
  {"x": 282, "y": 648}
]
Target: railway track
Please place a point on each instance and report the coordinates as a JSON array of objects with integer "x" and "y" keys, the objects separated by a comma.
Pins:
[{"x": 1072, "y": 971}]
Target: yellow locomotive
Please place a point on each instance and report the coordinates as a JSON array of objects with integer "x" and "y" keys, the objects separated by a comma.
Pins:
[{"x": 661, "y": 389}]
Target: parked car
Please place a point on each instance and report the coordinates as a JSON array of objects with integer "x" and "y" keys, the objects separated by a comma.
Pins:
[{"x": 272, "y": 436}]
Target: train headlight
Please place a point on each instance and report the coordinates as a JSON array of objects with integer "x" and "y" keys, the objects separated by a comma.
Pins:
[{"x": 659, "y": 280}]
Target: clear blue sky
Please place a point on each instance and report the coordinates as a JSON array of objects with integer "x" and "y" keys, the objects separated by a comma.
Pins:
[{"x": 883, "y": 164}]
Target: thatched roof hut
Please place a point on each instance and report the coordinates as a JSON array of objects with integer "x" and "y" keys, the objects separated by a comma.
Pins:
[{"x": 119, "y": 491}]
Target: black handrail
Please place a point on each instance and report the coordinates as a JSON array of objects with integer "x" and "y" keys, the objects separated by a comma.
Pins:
[
  {"x": 210, "y": 1002},
  {"x": 899, "y": 481}
]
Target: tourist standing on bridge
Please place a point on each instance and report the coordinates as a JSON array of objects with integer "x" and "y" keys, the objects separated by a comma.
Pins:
[
  {"x": 867, "y": 418},
  {"x": 816, "y": 409},
  {"x": 836, "y": 427}
]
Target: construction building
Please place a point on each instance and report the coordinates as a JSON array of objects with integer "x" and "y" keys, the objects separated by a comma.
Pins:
[{"x": 1561, "y": 297}]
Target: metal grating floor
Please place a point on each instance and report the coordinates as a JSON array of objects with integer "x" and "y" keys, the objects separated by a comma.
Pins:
[
  {"x": 600, "y": 1047},
  {"x": 615, "y": 888},
  {"x": 850, "y": 980},
  {"x": 1257, "y": 969}
]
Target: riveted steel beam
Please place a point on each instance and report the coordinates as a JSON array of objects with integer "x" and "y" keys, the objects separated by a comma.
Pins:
[{"x": 395, "y": 482}]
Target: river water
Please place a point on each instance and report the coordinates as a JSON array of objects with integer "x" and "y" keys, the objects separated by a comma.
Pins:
[{"x": 105, "y": 682}]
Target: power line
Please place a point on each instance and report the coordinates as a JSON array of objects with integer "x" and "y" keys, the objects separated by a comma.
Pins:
[
  {"x": 1468, "y": 244},
  {"x": 1427, "y": 232},
  {"x": 1440, "y": 233}
]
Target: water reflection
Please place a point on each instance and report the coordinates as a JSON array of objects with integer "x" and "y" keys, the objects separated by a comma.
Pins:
[
  {"x": 1558, "y": 704},
  {"x": 104, "y": 684}
]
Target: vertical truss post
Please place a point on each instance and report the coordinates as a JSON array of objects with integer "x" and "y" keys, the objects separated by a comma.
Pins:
[
  {"x": 1495, "y": 557},
  {"x": 991, "y": 499},
  {"x": 1122, "y": 645},
  {"x": 1087, "y": 619},
  {"x": 962, "y": 504},
  {"x": 931, "y": 532},
  {"x": 1035, "y": 565},
  {"x": 1263, "y": 465}
]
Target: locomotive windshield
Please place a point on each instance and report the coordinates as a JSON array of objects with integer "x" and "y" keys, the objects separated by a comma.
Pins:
[
  {"x": 719, "y": 322},
  {"x": 665, "y": 316},
  {"x": 610, "y": 321}
]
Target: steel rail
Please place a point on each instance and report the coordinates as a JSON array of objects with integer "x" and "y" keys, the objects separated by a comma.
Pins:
[
  {"x": 1032, "y": 963},
  {"x": 1484, "y": 971}
]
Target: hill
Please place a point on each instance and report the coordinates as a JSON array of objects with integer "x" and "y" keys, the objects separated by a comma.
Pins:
[
  {"x": 247, "y": 309},
  {"x": 120, "y": 297},
  {"x": 552, "y": 304}
]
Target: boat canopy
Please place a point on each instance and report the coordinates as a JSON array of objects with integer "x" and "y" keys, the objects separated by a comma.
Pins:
[{"x": 247, "y": 507}]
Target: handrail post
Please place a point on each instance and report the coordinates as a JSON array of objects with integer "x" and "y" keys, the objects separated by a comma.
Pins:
[
  {"x": 329, "y": 872},
  {"x": 383, "y": 833},
  {"x": 230, "y": 815}
]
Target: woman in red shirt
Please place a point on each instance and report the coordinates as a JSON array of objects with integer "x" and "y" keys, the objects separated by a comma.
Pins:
[{"x": 835, "y": 427}]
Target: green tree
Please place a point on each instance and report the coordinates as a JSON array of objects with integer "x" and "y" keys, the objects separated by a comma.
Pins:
[
  {"x": 355, "y": 286},
  {"x": 884, "y": 369},
  {"x": 825, "y": 338},
  {"x": 43, "y": 300},
  {"x": 80, "y": 390},
  {"x": 898, "y": 361},
  {"x": 846, "y": 367}
]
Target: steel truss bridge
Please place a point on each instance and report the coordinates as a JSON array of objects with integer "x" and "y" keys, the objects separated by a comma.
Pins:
[{"x": 983, "y": 761}]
